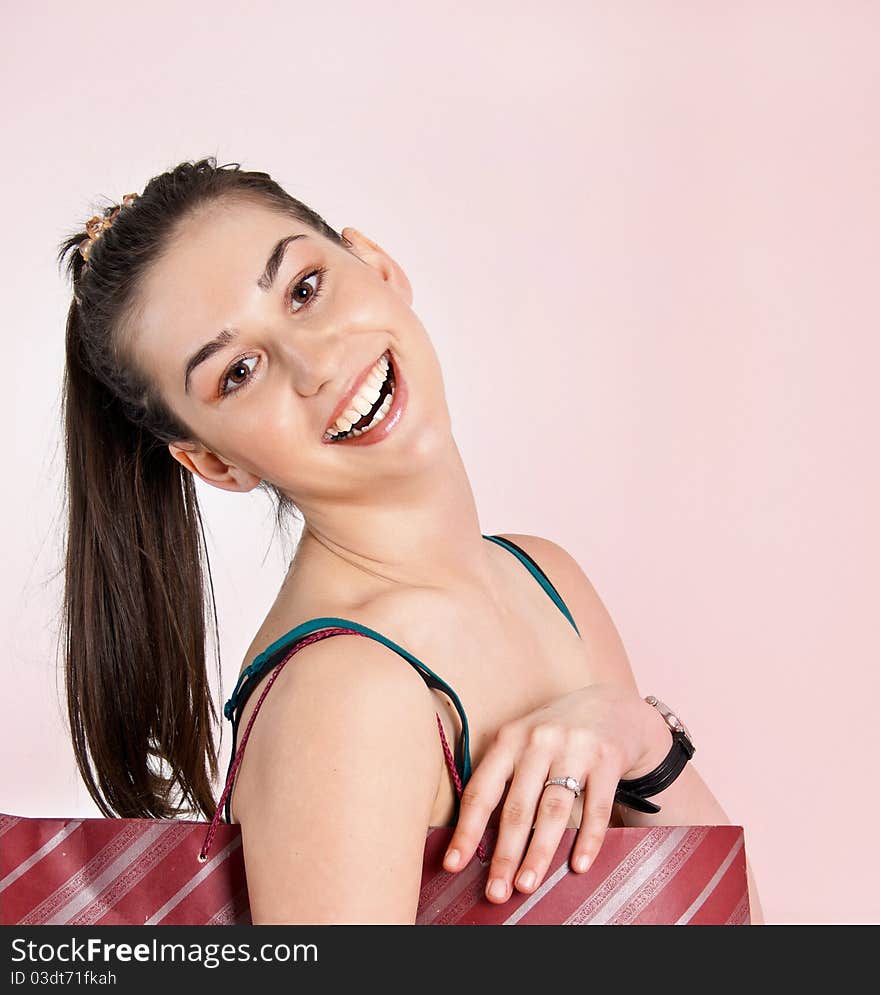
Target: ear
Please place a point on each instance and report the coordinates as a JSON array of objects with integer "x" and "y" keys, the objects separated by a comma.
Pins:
[
  {"x": 212, "y": 468},
  {"x": 373, "y": 255}
]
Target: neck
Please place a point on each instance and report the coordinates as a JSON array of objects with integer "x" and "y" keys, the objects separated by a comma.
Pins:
[{"x": 419, "y": 531}]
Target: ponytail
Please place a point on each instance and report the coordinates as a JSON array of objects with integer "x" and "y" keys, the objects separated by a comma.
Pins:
[{"x": 134, "y": 625}]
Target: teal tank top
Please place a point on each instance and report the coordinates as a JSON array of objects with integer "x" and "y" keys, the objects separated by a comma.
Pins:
[{"x": 274, "y": 654}]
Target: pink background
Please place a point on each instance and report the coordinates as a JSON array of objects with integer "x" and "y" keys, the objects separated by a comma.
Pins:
[{"x": 653, "y": 226}]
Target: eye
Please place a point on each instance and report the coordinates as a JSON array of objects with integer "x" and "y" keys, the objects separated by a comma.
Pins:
[
  {"x": 294, "y": 294},
  {"x": 231, "y": 370}
]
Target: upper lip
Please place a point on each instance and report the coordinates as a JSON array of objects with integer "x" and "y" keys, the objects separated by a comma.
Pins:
[{"x": 345, "y": 401}]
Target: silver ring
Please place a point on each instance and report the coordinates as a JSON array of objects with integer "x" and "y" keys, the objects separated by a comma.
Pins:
[{"x": 572, "y": 783}]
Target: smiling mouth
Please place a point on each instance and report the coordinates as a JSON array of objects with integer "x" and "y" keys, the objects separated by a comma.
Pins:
[{"x": 376, "y": 395}]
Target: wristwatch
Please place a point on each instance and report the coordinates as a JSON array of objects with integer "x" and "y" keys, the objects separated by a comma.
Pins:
[{"x": 633, "y": 792}]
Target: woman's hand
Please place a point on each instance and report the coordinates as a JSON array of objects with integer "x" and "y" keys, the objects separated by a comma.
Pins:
[{"x": 597, "y": 734}]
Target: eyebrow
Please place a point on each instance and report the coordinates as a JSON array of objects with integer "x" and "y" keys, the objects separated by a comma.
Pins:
[{"x": 264, "y": 281}]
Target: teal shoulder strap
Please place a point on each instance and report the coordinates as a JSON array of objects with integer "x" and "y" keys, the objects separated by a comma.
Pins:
[
  {"x": 538, "y": 574},
  {"x": 275, "y": 653}
]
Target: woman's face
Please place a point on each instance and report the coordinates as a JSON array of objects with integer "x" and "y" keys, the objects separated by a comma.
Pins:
[{"x": 296, "y": 336}]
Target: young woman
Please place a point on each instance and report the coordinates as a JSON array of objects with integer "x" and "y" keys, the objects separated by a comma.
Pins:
[{"x": 221, "y": 329}]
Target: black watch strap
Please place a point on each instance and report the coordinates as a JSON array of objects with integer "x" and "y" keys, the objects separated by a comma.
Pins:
[{"x": 633, "y": 792}]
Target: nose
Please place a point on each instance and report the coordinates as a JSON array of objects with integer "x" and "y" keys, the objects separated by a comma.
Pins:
[{"x": 311, "y": 362}]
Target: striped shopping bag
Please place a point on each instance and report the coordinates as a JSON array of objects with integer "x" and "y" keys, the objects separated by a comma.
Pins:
[{"x": 98, "y": 871}]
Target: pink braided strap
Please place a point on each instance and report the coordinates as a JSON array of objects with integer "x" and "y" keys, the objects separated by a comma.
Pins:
[
  {"x": 312, "y": 638},
  {"x": 456, "y": 780}
]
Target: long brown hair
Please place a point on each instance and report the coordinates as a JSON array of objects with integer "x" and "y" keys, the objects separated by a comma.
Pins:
[{"x": 135, "y": 613}]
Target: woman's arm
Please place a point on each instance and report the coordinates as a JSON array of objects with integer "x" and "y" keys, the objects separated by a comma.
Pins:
[
  {"x": 688, "y": 801},
  {"x": 336, "y": 788}
]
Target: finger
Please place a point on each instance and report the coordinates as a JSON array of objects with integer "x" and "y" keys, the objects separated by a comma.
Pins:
[
  {"x": 601, "y": 786},
  {"x": 516, "y": 822},
  {"x": 554, "y": 813},
  {"x": 481, "y": 796}
]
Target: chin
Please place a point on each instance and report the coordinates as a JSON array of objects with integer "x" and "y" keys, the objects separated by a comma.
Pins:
[{"x": 431, "y": 442}]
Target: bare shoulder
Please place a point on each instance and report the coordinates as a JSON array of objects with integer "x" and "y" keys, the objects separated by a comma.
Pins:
[
  {"x": 339, "y": 776},
  {"x": 347, "y": 693},
  {"x": 601, "y": 639}
]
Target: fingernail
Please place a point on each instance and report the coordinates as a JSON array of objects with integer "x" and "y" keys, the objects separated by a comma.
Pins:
[
  {"x": 582, "y": 863},
  {"x": 497, "y": 888},
  {"x": 526, "y": 879},
  {"x": 452, "y": 859}
]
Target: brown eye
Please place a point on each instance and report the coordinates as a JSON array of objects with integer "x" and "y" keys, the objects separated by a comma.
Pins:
[
  {"x": 230, "y": 374},
  {"x": 304, "y": 291}
]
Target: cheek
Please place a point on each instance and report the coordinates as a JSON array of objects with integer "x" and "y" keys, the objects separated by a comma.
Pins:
[{"x": 262, "y": 434}]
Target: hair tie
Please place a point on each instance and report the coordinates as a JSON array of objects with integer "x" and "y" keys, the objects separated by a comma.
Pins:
[{"x": 96, "y": 226}]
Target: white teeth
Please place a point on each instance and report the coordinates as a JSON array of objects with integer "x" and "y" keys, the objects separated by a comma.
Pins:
[
  {"x": 366, "y": 397},
  {"x": 370, "y": 391},
  {"x": 377, "y": 417},
  {"x": 362, "y": 404}
]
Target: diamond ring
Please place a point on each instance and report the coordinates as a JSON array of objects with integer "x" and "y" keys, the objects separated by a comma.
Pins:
[{"x": 572, "y": 783}]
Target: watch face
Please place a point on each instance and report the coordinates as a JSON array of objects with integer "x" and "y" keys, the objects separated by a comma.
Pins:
[{"x": 672, "y": 720}]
